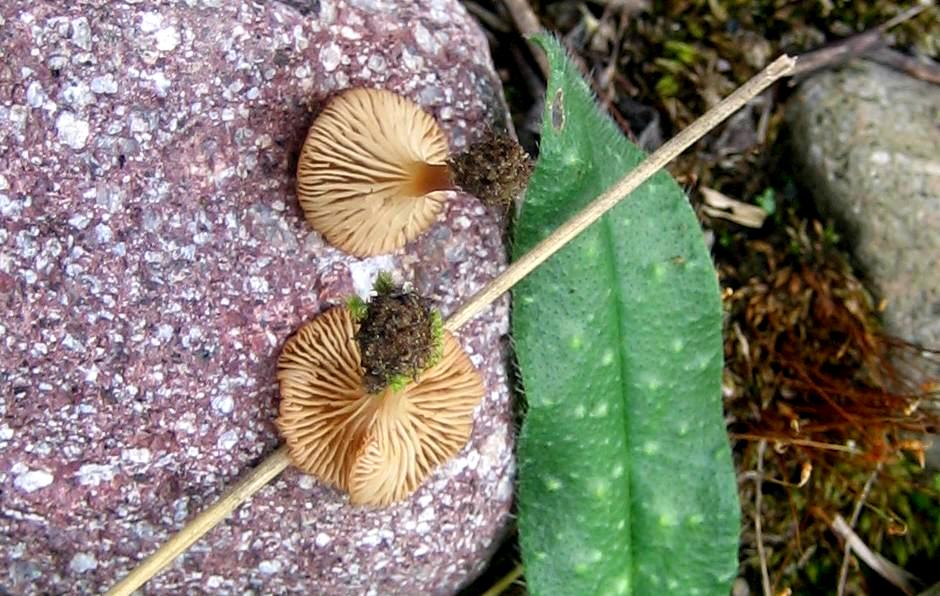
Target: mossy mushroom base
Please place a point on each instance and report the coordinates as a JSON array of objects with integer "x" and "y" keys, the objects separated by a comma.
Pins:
[
  {"x": 495, "y": 169},
  {"x": 377, "y": 447},
  {"x": 399, "y": 336}
]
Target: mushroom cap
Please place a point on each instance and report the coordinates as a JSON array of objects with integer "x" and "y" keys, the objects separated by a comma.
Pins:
[
  {"x": 379, "y": 448},
  {"x": 371, "y": 172}
]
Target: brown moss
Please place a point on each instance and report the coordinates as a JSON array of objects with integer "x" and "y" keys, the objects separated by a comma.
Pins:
[
  {"x": 495, "y": 169},
  {"x": 397, "y": 337},
  {"x": 809, "y": 370}
]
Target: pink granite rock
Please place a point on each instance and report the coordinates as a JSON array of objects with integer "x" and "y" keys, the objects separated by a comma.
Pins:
[{"x": 153, "y": 260}]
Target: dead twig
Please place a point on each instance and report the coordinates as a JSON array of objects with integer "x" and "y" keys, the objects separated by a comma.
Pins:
[
  {"x": 903, "y": 580},
  {"x": 758, "y": 496},
  {"x": 839, "y": 53},
  {"x": 905, "y": 16},
  {"x": 842, "y": 51},
  {"x": 846, "y": 557},
  {"x": 528, "y": 24},
  {"x": 923, "y": 69}
]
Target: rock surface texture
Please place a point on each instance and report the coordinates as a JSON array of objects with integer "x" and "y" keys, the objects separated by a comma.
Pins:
[
  {"x": 153, "y": 260},
  {"x": 867, "y": 139}
]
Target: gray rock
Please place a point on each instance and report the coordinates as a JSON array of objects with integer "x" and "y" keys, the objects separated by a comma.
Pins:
[
  {"x": 867, "y": 140},
  {"x": 153, "y": 259}
]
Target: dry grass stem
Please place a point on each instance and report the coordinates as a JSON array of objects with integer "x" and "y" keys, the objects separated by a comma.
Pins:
[
  {"x": 758, "y": 496},
  {"x": 903, "y": 580},
  {"x": 779, "y": 68},
  {"x": 507, "y": 580},
  {"x": 800, "y": 442},
  {"x": 844, "y": 570},
  {"x": 276, "y": 463}
]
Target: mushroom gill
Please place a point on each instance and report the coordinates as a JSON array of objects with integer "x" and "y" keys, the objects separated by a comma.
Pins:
[
  {"x": 371, "y": 172},
  {"x": 377, "y": 447}
]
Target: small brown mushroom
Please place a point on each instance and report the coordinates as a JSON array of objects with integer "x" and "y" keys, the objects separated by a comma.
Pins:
[
  {"x": 377, "y": 447},
  {"x": 371, "y": 172}
]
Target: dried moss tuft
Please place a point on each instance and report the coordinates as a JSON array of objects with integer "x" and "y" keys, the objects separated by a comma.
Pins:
[
  {"x": 399, "y": 336},
  {"x": 495, "y": 170}
]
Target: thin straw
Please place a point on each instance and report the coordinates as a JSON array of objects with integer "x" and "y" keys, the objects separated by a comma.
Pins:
[{"x": 278, "y": 461}]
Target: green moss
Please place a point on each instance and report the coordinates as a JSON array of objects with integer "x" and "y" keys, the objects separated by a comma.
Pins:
[{"x": 357, "y": 308}]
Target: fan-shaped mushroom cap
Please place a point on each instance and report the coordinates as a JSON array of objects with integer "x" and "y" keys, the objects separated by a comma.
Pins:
[
  {"x": 379, "y": 448},
  {"x": 370, "y": 171}
]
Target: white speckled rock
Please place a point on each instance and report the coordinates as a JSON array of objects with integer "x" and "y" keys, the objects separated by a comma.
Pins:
[
  {"x": 153, "y": 260},
  {"x": 867, "y": 139}
]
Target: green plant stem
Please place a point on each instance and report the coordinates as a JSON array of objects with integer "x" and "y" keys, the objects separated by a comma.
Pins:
[{"x": 507, "y": 580}]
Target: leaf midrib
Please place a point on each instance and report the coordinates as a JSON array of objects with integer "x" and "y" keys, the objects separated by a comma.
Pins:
[{"x": 612, "y": 271}]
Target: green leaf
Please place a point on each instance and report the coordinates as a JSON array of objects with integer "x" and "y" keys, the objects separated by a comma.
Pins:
[
  {"x": 767, "y": 201},
  {"x": 667, "y": 87},
  {"x": 626, "y": 479}
]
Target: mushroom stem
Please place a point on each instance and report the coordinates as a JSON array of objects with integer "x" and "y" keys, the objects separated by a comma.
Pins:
[
  {"x": 428, "y": 177},
  {"x": 278, "y": 461}
]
